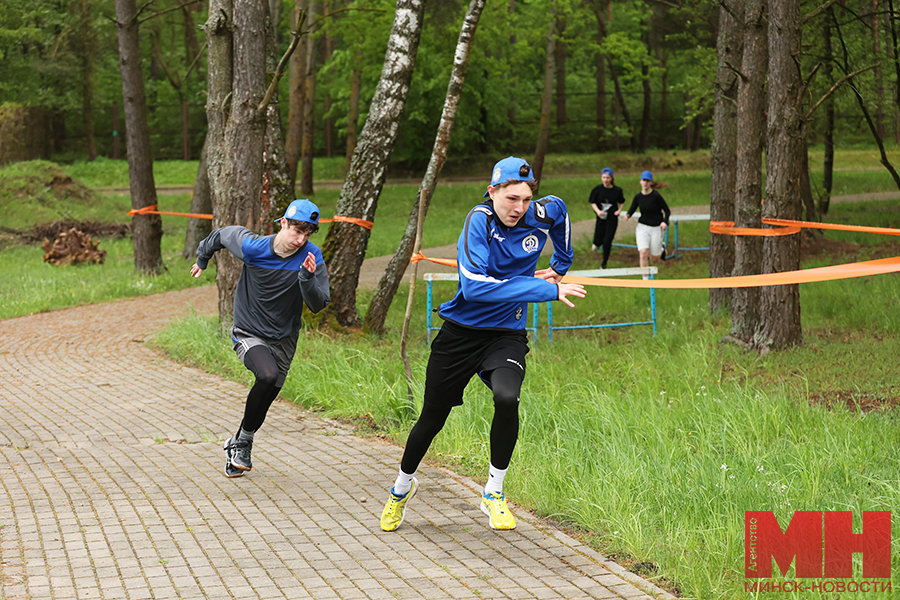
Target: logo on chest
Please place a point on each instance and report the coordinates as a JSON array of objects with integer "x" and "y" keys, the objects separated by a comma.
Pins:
[
  {"x": 497, "y": 236},
  {"x": 530, "y": 244}
]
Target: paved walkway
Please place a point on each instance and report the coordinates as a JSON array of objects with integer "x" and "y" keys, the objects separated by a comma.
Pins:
[{"x": 111, "y": 487}]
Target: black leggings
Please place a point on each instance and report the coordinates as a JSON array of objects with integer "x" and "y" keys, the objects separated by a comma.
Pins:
[
  {"x": 505, "y": 384},
  {"x": 261, "y": 362},
  {"x": 604, "y": 232}
]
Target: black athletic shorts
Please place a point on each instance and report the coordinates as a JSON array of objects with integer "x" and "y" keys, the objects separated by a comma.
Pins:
[{"x": 459, "y": 352}]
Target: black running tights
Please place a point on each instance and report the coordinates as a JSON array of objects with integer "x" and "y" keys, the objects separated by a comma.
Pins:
[
  {"x": 506, "y": 384},
  {"x": 260, "y": 361}
]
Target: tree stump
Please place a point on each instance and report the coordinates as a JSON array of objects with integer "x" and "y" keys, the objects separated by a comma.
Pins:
[{"x": 72, "y": 247}]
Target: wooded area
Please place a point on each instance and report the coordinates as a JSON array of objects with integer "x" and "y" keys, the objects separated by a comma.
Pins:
[
  {"x": 629, "y": 75},
  {"x": 739, "y": 76}
]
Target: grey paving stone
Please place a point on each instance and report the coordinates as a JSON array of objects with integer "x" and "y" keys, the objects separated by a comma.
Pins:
[{"x": 112, "y": 487}]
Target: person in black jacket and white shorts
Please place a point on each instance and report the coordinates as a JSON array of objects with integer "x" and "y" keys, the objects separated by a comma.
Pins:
[{"x": 653, "y": 222}]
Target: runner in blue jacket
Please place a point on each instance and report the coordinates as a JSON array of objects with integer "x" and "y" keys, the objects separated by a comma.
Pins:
[{"x": 484, "y": 325}]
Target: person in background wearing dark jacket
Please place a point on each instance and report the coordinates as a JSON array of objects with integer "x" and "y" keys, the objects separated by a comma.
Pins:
[
  {"x": 607, "y": 201},
  {"x": 281, "y": 273},
  {"x": 653, "y": 222}
]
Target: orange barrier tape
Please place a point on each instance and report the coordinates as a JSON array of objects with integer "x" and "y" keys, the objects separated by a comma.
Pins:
[
  {"x": 441, "y": 261},
  {"x": 151, "y": 210},
  {"x": 847, "y": 271},
  {"x": 860, "y": 269},
  {"x": 728, "y": 228},
  {"x": 361, "y": 222}
]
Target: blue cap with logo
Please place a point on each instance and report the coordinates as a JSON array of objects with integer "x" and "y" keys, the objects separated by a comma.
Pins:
[
  {"x": 509, "y": 168},
  {"x": 647, "y": 175},
  {"x": 301, "y": 210},
  {"x": 607, "y": 171}
]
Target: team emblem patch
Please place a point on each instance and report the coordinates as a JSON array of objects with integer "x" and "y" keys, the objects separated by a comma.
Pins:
[
  {"x": 496, "y": 176},
  {"x": 519, "y": 313},
  {"x": 530, "y": 244},
  {"x": 291, "y": 211}
]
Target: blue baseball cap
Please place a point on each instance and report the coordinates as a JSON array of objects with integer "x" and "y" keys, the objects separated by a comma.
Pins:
[
  {"x": 301, "y": 210},
  {"x": 647, "y": 175},
  {"x": 511, "y": 168},
  {"x": 607, "y": 171}
]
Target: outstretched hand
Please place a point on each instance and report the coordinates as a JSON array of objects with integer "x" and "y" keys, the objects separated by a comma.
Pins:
[
  {"x": 548, "y": 274},
  {"x": 196, "y": 271},
  {"x": 570, "y": 289},
  {"x": 309, "y": 263}
]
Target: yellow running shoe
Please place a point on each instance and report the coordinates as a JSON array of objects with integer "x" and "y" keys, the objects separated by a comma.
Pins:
[
  {"x": 494, "y": 506},
  {"x": 395, "y": 509}
]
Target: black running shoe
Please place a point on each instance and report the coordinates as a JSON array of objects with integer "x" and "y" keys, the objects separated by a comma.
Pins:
[{"x": 238, "y": 453}]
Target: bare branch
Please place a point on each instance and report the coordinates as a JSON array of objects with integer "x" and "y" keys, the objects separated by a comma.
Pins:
[
  {"x": 315, "y": 23},
  {"x": 162, "y": 12},
  {"x": 809, "y": 78},
  {"x": 279, "y": 71},
  {"x": 735, "y": 70},
  {"x": 834, "y": 88},
  {"x": 196, "y": 60},
  {"x": 818, "y": 11}
]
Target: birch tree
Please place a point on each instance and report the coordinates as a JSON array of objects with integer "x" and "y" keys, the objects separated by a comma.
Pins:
[
  {"x": 390, "y": 281},
  {"x": 345, "y": 244}
]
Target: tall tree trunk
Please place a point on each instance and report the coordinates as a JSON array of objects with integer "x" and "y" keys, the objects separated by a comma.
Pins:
[
  {"x": 601, "y": 83},
  {"x": 390, "y": 281},
  {"x": 87, "y": 79},
  {"x": 235, "y": 32},
  {"x": 353, "y": 110},
  {"x": 511, "y": 111},
  {"x": 751, "y": 131},
  {"x": 278, "y": 189},
  {"x": 828, "y": 166},
  {"x": 191, "y": 45},
  {"x": 329, "y": 130},
  {"x": 723, "y": 154},
  {"x": 296, "y": 102},
  {"x": 146, "y": 229},
  {"x": 645, "y": 114},
  {"x": 877, "y": 73},
  {"x": 201, "y": 204},
  {"x": 345, "y": 245},
  {"x": 891, "y": 24},
  {"x": 785, "y": 145},
  {"x": 543, "y": 141},
  {"x": 309, "y": 102},
  {"x": 560, "y": 65},
  {"x": 664, "y": 100},
  {"x": 620, "y": 101}
]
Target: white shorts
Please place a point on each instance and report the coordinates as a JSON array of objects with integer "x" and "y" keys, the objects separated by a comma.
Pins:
[{"x": 649, "y": 237}]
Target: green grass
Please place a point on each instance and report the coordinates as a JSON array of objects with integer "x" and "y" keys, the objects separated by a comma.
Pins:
[
  {"x": 29, "y": 285},
  {"x": 649, "y": 448}
]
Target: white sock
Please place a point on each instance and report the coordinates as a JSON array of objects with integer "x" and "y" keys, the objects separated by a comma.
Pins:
[
  {"x": 403, "y": 483},
  {"x": 646, "y": 277},
  {"x": 495, "y": 480}
]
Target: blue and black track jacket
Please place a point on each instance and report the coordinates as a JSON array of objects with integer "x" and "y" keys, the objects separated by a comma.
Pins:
[
  {"x": 497, "y": 264},
  {"x": 271, "y": 291}
]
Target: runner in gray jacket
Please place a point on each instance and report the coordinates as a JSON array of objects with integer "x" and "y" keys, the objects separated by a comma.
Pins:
[{"x": 281, "y": 273}]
